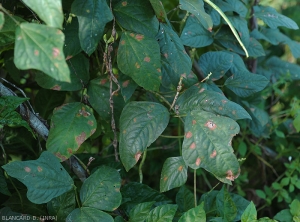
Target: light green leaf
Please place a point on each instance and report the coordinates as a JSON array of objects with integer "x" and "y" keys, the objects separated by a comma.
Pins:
[
  {"x": 41, "y": 47},
  {"x": 261, "y": 194},
  {"x": 90, "y": 214},
  {"x": 207, "y": 144},
  {"x": 295, "y": 206},
  {"x": 194, "y": 214},
  {"x": 75, "y": 118},
  {"x": 283, "y": 68},
  {"x": 196, "y": 7},
  {"x": 225, "y": 205},
  {"x": 50, "y": 11},
  {"x": 92, "y": 17},
  {"x": 163, "y": 213},
  {"x": 174, "y": 173},
  {"x": 184, "y": 199},
  {"x": 296, "y": 123},
  {"x": 272, "y": 18},
  {"x": 45, "y": 178},
  {"x": 102, "y": 189},
  {"x": 194, "y": 34},
  {"x": 140, "y": 125},
  {"x": 159, "y": 10},
  {"x": 135, "y": 16},
  {"x": 2, "y": 20},
  {"x": 250, "y": 213},
  {"x": 140, "y": 212},
  {"x": 139, "y": 57}
]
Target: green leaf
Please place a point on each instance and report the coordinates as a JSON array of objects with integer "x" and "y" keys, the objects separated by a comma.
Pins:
[
  {"x": 140, "y": 212},
  {"x": 285, "y": 181},
  {"x": 102, "y": 189},
  {"x": 295, "y": 206},
  {"x": 10, "y": 216},
  {"x": 272, "y": 18},
  {"x": 218, "y": 63},
  {"x": 296, "y": 123},
  {"x": 75, "y": 118},
  {"x": 184, "y": 199},
  {"x": 84, "y": 214},
  {"x": 283, "y": 68},
  {"x": 207, "y": 144},
  {"x": 62, "y": 206},
  {"x": 239, "y": 7},
  {"x": 45, "y": 178},
  {"x": 194, "y": 34},
  {"x": 200, "y": 97},
  {"x": 261, "y": 194},
  {"x": 139, "y": 57},
  {"x": 2, "y": 20},
  {"x": 140, "y": 125},
  {"x": 128, "y": 86},
  {"x": 159, "y": 10},
  {"x": 41, "y": 47},
  {"x": 163, "y": 213},
  {"x": 3, "y": 185},
  {"x": 224, "y": 6},
  {"x": 242, "y": 148},
  {"x": 7, "y": 33},
  {"x": 92, "y": 17},
  {"x": 225, "y": 205},
  {"x": 196, "y": 7},
  {"x": 250, "y": 213},
  {"x": 50, "y": 11},
  {"x": 79, "y": 75},
  {"x": 241, "y": 26},
  {"x": 240, "y": 203},
  {"x": 72, "y": 42},
  {"x": 135, "y": 16},
  {"x": 175, "y": 61},
  {"x": 245, "y": 83},
  {"x": 194, "y": 214},
  {"x": 174, "y": 173},
  {"x": 284, "y": 215}
]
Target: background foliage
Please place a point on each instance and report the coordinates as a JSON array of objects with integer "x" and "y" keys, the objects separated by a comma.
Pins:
[{"x": 129, "y": 110}]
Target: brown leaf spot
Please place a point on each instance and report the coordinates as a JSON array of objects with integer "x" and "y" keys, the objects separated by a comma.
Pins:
[
  {"x": 61, "y": 157},
  {"x": 137, "y": 65},
  {"x": 90, "y": 122},
  {"x": 124, "y": 3},
  {"x": 211, "y": 125},
  {"x": 36, "y": 52},
  {"x": 56, "y": 87},
  {"x": 193, "y": 146},
  {"x": 158, "y": 70},
  {"x": 214, "y": 154},
  {"x": 55, "y": 52},
  {"x": 220, "y": 108},
  {"x": 201, "y": 90},
  {"x": 69, "y": 57},
  {"x": 147, "y": 59},
  {"x": 124, "y": 131},
  {"x": 125, "y": 84},
  {"x": 229, "y": 175},
  {"x": 198, "y": 161},
  {"x": 103, "y": 81},
  {"x": 134, "y": 120},
  {"x": 70, "y": 151},
  {"x": 40, "y": 169},
  {"x": 224, "y": 101},
  {"x": 80, "y": 139},
  {"x": 210, "y": 29},
  {"x": 88, "y": 11},
  {"x": 165, "y": 178},
  {"x": 194, "y": 122},
  {"x": 83, "y": 112},
  {"x": 139, "y": 37},
  {"x": 123, "y": 42},
  {"x": 188, "y": 134},
  {"x": 233, "y": 112},
  {"x": 166, "y": 55},
  {"x": 137, "y": 156},
  {"x": 27, "y": 169},
  {"x": 92, "y": 131},
  {"x": 180, "y": 168}
]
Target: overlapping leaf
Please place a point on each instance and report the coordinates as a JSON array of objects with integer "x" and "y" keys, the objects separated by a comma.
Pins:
[
  {"x": 84, "y": 214},
  {"x": 159, "y": 10},
  {"x": 71, "y": 125},
  {"x": 207, "y": 144},
  {"x": 224, "y": 6},
  {"x": 135, "y": 16},
  {"x": 174, "y": 173},
  {"x": 225, "y": 205},
  {"x": 40, "y": 47},
  {"x": 196, "y": 7},
  {"x": 127, "y": 85},
  {"x": 175, "y": 61},
  {"x": 250, "y": 213},
  {"x": 184, "y": 199},
  {"x": 272, "y": 18},
  {"x": 140, "y": 212},
  {"x": 139, "y": 58},
  {"x": 283, "y": 68},
  {"x": 241, "y": 26},
  {"x": 50, "y": 11},
  {"x": 194, "y": 214},
  {"x": 7, "y": 32},
  {"x": 199, "y": 97},
  {"x": 238, "y": 6},
  {"x": 72, "y": 42},
  {"x": 92, "y": 17},
  {"x": 140, "y": 125},
  {"x": 45, "y": 178},
  {"x": 162, "y": 213}
]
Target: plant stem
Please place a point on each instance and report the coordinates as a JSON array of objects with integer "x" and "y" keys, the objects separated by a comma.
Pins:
[
  {"x": 179, "y": 138},
  {"x": 195, "y": 188},
  {"x": 141, "y": 166},
  {"x": 172, "y": 137},
  {"x": 7, "y": 13}
]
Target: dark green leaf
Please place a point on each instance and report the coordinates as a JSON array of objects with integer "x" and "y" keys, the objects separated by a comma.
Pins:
[
  {"x": 200, "y": 97},
  {"x": 84, "y": 214},
  {"x": 140, "y": 212},
  {"x": 184, "y": 199},
  {"x": 194, "y": 35},
  {"x": 238, "y": 7},
  {"x": 72, "y": 42},
  {"x": 194, "y": 214},
  {"x": 218, "y": 63},
  {"x": 240, "y": 203},
  {"x": 196, "y": 7},
  {"x": 135, "y": 16},
  {"x": 163, "y": 213},
  {"x": 207, "y": 144},
  {"x": 159, "y": 10},
  {"x": 139, "y": 58},
  {"x": 174, "y": 173},
  {"x": 50, "y": 11},
  {"x": 209, "y": 200},
  {"x": 127, "y": 85},
  {"x": 75, "y": 118},
  {"x": 7, "y": 33},
  {"x": 283, "y": 68},
  {"x": 119, "y": 219},
  {"x": 45, "y": 177},
  {"x": 41, "y": 47},
  {"x": 3, "y": 185},
  {"x": 92, "y": 17},
  {"x": 62, "y": 206},
  {"x": 284, "y": 215},
  {"x": 102, "y": 189},
  {"x": 241, "y": 26},
  {"x": 7, "y": 215},
  {"x": 175, "y": 61},
  {"x": 272, "y": 18},
  {"x": 250, "y": 213},
  {"x": 140, "y": 125},
  {"x": 224, "y": 6},
  {"x": 225, "y": 205}
]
